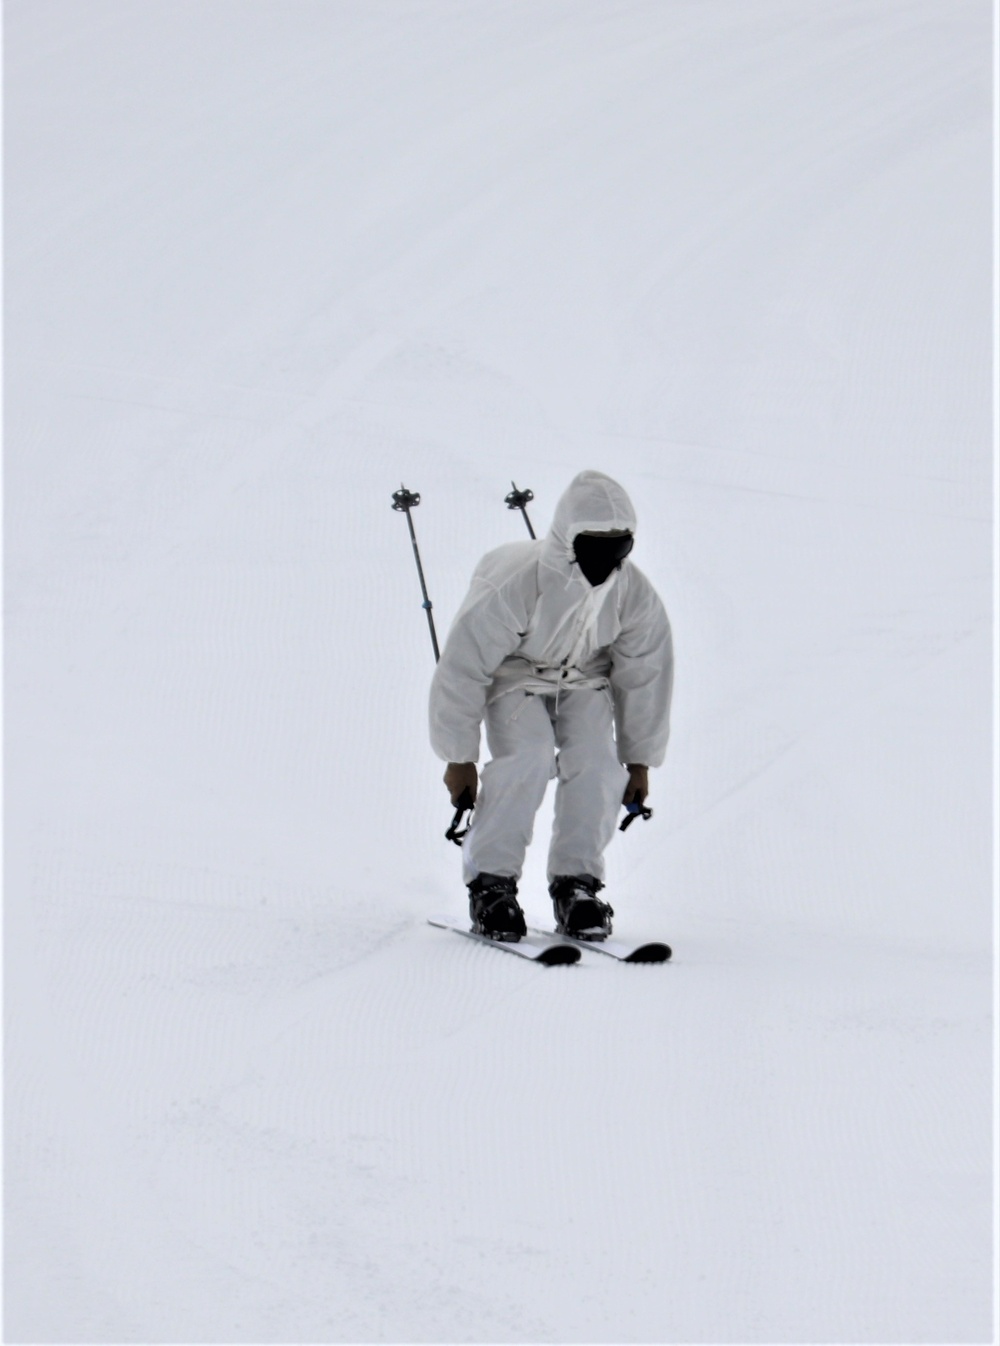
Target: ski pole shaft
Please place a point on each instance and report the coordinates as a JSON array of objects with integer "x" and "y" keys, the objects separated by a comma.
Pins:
[
  {"x": 520, "y": 500},
  {"x": 404, "y": 501}
]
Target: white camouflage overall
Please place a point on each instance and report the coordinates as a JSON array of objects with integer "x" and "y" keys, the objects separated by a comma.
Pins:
[{"x": 573, "y": 681}]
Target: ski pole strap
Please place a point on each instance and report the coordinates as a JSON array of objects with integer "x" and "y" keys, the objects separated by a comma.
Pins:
[
  {"x": 635, "y": 811},
  {"x": 465, "y": 805}
]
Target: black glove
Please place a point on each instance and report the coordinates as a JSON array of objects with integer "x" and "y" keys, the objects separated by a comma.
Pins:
[
  {"x": 462, "y": 781},
  {"x": 638, "y": 784}
]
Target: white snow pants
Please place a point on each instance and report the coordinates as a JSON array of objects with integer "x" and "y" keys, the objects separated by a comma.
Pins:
[{"x": 532, "y": 738}]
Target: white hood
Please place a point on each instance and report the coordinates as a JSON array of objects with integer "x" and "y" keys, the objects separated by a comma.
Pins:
[{"x": 591, "y": 503}]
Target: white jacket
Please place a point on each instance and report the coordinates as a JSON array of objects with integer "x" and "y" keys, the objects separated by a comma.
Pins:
[{"x": 532, "y": 621}]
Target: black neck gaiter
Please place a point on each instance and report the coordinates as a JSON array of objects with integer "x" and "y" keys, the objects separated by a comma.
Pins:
[{"x": 598, "y": 556}]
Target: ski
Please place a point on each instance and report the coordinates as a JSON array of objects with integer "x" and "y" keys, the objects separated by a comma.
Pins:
[
  {"x": 650, "y": 951},
  {"x": 538, "y": 946}
]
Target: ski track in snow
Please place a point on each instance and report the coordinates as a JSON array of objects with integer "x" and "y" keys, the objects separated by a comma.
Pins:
[{"x": 267, "y": 261}]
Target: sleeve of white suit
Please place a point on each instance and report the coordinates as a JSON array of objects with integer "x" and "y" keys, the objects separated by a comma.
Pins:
[
  {"x": 485, "y": 631},
  {"x": 642, "y": 677}
]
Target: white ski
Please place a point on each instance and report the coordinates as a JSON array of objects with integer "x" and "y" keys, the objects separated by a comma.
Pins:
[
  {"x": 648, "y": 951},
  {"x": 538, "y": 945}
]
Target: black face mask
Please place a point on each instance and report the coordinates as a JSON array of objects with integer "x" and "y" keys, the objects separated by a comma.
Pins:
[{"x": 598, "y": 556}]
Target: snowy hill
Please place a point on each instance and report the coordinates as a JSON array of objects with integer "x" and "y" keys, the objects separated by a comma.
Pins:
[{"x": 265, "y": 262}]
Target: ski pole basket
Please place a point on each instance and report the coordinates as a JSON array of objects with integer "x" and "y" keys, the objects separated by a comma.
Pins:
[{"x": 516, "y": 499}]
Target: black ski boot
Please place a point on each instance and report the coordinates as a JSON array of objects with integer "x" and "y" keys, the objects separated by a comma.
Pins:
[
  {"x": 580, "y": 913},
  {"x": 494, "y": 908}
]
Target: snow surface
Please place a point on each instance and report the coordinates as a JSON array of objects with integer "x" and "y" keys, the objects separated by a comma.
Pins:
[{"x": 267, "y": 259}]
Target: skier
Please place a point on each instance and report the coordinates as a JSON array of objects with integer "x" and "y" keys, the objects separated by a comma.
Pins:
[{"x": 564, "y": 648}]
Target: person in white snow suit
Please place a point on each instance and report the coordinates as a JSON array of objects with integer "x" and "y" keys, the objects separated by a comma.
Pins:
[{"x": 563, "y": 647}]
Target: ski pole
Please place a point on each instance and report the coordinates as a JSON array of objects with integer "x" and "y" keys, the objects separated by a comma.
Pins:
[
  {"x": 404, "y": 500},
  {"x": 519, "y": 500}
]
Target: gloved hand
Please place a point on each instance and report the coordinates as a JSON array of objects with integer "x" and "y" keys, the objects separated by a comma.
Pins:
[
  {"x": 638, "y": 784},
  {"x": 459, "y": 777}
]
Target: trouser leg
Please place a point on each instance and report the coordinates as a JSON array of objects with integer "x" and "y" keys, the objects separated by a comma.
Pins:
[
  {"x": 521, "y": 741},
  {"x": 591, "y": 783}
]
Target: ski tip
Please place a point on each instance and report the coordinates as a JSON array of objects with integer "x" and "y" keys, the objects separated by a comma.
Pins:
[
  {"x": 557, "y": 954},
  {"x": 650, "y": 953}
]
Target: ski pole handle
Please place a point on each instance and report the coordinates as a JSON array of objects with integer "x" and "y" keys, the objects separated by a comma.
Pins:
[
  {"x": 635, "y": 811},
  {"x": 465, "y": 805}
]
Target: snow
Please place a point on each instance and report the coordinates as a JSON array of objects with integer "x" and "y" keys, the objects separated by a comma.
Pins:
[{"x": 265, "y": 262}]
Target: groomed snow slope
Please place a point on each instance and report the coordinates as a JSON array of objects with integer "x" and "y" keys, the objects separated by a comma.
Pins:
[{"x": 265, "y": 261}]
